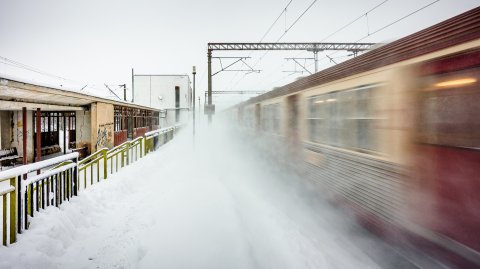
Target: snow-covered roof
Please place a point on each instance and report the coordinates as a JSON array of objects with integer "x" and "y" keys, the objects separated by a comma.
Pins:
[{"x": 24, "y": 90}]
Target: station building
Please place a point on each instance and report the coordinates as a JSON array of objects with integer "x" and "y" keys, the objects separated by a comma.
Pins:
[
  {"x": 171, "y": 94},
  {"x": 37, "y": 122}
]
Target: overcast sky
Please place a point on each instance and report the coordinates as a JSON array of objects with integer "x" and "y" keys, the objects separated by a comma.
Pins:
[{"x": 97, "y": 42}]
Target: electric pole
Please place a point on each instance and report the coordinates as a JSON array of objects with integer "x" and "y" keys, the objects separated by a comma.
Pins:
[
  {"x": 194, "y": 72},
  {"x": 124, "y": 91}
]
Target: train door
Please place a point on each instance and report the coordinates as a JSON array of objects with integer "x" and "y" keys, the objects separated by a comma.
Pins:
[{"x": 447, "y": 155}]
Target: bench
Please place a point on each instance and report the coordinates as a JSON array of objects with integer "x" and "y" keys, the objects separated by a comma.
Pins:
[
  {"x": 50, "y": 150},
  {"x": 9, "y": 157}
]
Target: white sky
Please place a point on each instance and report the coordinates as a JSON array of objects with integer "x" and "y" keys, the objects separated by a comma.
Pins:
[{"x": 97, "y": 42}]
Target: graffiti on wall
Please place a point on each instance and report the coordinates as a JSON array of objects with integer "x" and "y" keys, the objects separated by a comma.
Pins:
[
  {"x": 19, "y": 129},
  {"x": 105, "y": 135}
]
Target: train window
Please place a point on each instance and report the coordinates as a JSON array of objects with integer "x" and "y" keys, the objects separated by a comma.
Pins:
[
  {"x": 366, "y": 118},
  {"x": 251, "y": 117},
  {"x": 345, "y": 119},
  {"x": 271, "y": 118},
  {"x": 449, "y": 106},
  {"x": 346, "y": 110},
  {"x": 317, "y": 119}
]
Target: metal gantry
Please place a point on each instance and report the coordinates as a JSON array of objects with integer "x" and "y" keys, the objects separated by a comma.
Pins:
[
  {"x": 353, "y": 47},
  {"x": 314, "y": 47}
]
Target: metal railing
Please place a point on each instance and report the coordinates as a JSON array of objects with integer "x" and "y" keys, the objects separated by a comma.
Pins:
[
  {"x": 23, "y": 191},
  {"x": 94, "y": 161},
  {"x": 156, "y": 138},
  {"x": 28, "y": 191}
]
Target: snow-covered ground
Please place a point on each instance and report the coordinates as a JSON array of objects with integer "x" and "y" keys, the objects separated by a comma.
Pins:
[{"x": 215, "y": 204}]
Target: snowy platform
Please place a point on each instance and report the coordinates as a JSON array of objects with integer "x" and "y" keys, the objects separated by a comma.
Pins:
[{"x": 212, "y": 205}]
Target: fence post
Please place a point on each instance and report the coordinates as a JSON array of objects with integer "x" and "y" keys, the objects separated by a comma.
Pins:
[
  {"x": 146, "y": 141},
  {"x": 105, "y": 174},
  {"x": 13, "y": 212},
  {"x": 4, "y": 219},
  {"x": 141, "y": 147},
  {"x": 19, "y": 204},
  {"x": 74, "y": 186},
  {"x": 128, "y": 153}
]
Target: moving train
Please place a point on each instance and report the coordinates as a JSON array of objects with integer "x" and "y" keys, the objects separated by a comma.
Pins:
[{"x": 393, "y": 135}]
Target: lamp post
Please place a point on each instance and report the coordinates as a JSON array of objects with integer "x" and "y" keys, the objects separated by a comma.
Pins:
[{"x": 194, "y": 72}]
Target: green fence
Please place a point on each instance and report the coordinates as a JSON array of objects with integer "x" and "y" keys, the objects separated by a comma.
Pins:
[{"x": 26, "y": 189}]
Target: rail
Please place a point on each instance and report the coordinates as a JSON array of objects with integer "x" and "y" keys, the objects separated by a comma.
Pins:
[{"x": 29, "y": 188}]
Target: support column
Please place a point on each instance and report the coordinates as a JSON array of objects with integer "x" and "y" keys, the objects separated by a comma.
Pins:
[
  {"x": 64, "y": 134},
  {"x": 38, "y": 135},
  {"x": 315, "y": 56},
  {"x": 209, "y": 55}
]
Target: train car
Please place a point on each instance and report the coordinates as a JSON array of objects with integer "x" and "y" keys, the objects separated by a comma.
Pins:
[{"x": 392, "y": 135}]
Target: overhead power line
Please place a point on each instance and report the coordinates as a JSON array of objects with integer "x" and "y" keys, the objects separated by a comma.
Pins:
[
  {"x": 333, "y": 33},
  {"x": 355, "y": 20},
  {"x": 286, "y": 31},
  {"x": 30, "y": 68},
  {"x": 400, "y": 19},
  {"x": 295, "y": 22},
  {"x": 284, "y": 10},
  {"x": 390, "y": 24},
  {"x": 374, "y": 32},
  {"x": 20, "y": 65},
  {"x": 110, "y": 90}
]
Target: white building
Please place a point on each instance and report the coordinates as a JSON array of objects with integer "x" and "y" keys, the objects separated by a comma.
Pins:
[{"x": 171, "y": 94}]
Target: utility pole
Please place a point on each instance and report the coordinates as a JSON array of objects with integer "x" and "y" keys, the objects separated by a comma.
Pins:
[
  {"x": 194, "y": 72},
  {"x": 133, "y": 92},
  {"x": 124, "y": 91},
  {"x": 315, "y": 56}
]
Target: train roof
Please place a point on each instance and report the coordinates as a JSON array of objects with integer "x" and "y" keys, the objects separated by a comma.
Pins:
[{"x": 454, "y": 31}]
